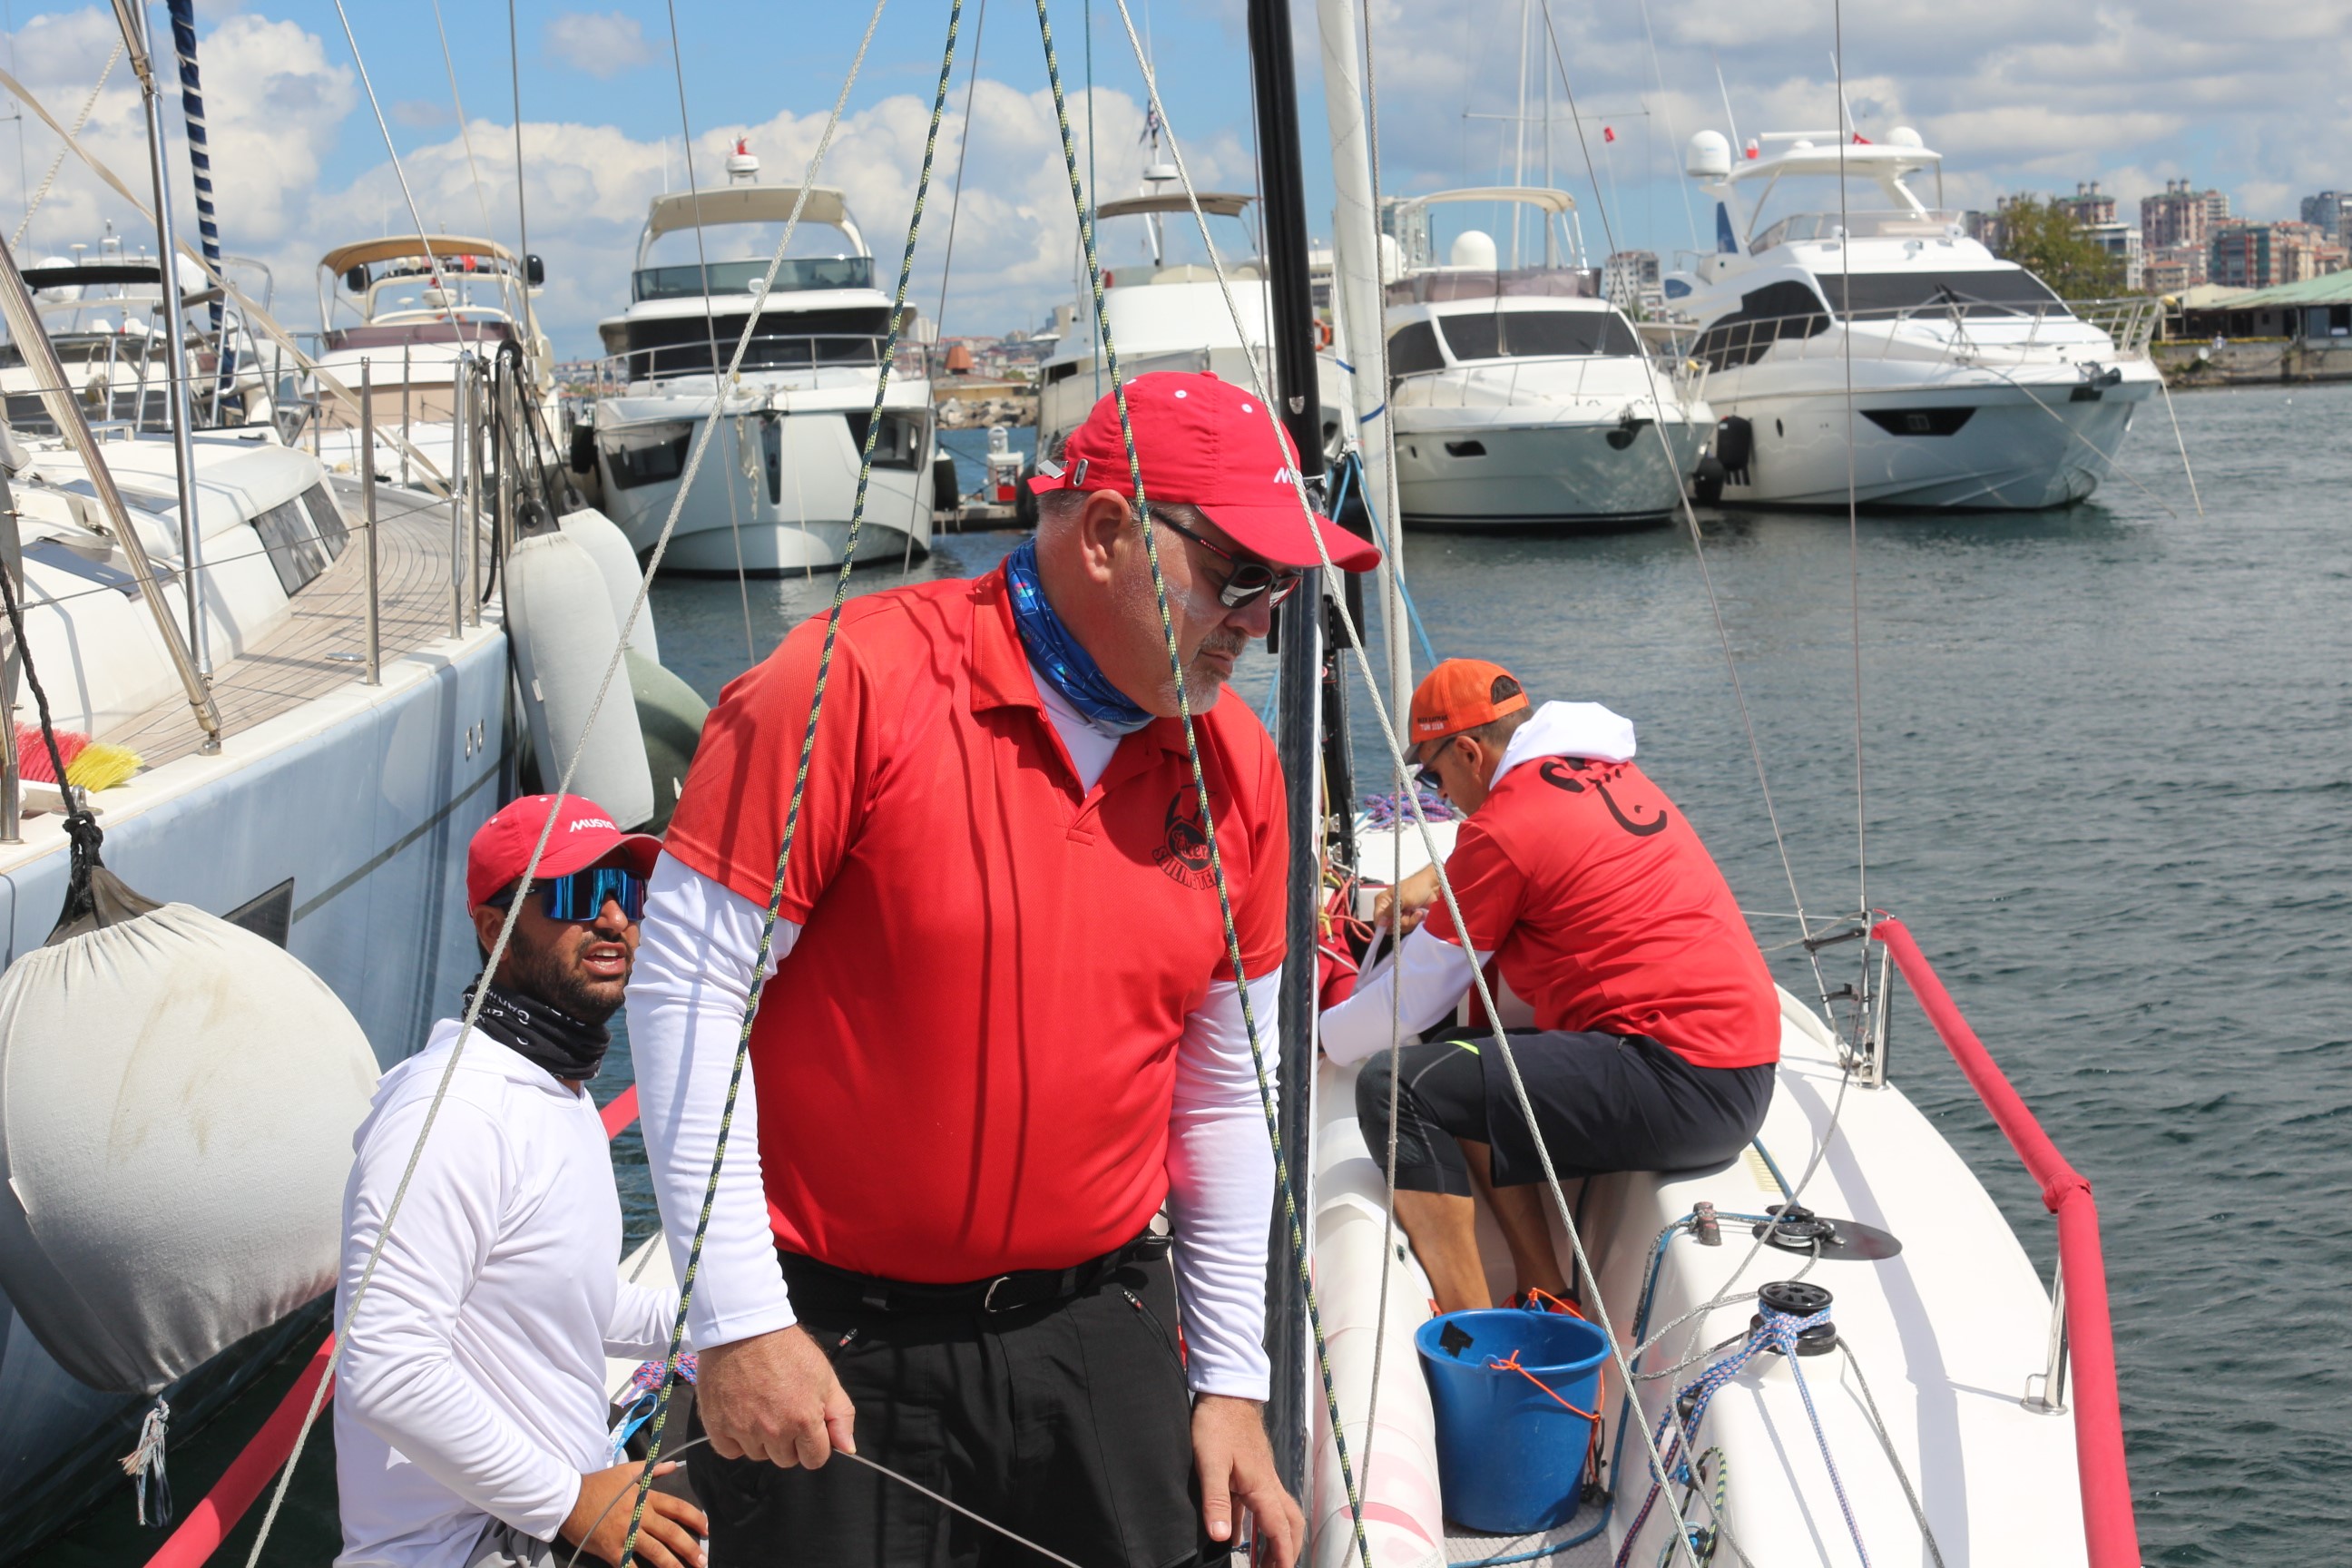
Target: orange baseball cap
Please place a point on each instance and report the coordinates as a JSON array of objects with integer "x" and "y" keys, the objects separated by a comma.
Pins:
[{"x": 1461, "y": 694}]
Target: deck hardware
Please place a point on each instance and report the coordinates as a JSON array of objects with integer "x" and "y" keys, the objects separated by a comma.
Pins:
[
  {"x": 1798, "y": 1299},
  {"x": 1704, "y": 1225},
  {"x": 2050, "y": 1400}
]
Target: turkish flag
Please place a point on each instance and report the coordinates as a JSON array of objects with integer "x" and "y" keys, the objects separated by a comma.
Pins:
[
  {"x": 1860, "y": 140},
  {"x": 1609, "y": 133}
]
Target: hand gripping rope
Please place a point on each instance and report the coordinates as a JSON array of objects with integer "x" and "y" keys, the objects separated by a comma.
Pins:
[
  {"x": 1201, "y": 791},
  {"x": 799, "y": 776}
]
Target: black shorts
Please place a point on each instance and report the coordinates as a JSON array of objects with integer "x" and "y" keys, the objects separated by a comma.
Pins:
[
  {"x": 1603, "y": 1103},
  {"x": 1068, "y": 1422}
]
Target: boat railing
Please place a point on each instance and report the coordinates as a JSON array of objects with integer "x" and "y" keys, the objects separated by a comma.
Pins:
[
  {"x": 1936, "y": 333},
  {"x": 2081, "y": 1335},
  {"x": 776, "y": 351}
]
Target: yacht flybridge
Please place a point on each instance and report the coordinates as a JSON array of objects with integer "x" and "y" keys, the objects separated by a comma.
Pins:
[
  {"x": 1973, "y": 385},
  {"x": 1520, "y": 397},
  {"x": 776, "y": 492},
  {"x": 412, "y": 307}
]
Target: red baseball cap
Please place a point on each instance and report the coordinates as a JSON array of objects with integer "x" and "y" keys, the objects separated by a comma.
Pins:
[
  {"x": 1461, "y": 694},
  {"x": 583, "y": 834},
  {"x": 1208, "y": 443}
]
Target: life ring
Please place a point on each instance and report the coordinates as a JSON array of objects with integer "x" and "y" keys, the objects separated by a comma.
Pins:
[{"x": 1322, "y": 335}]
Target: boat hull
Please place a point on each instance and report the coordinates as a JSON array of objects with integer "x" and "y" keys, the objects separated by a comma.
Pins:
[
  {"x": 348, "y": 817},
  {"x": 1506, "y": 473},
  {"x": 789, "y": 512},
  {"x": 1958, "y": 440}
]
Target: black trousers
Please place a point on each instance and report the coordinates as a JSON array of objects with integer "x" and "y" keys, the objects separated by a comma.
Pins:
[
  {"x": 1068, "y": 1422},
  {"x": 1603, "y": 1103}
]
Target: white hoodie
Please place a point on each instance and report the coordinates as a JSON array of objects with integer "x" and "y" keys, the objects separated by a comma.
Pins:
[
  {"x": 472, "y": 1381},
  {"x": 1433, "y": 971}
]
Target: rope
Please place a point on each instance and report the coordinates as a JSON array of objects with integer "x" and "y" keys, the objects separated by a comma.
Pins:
[
  {"x": 538, "y": 847},
  {"x": 1109, "y": 359},
  {"x": 2164, "y": 383},
  {"x": 58, "y": 162},
  {"x": 1878, "y": 1426},
  {"x": 399, "y": 174},
  {"x": 145, "y": 1463},
  {"x": 808, "y": 736},
  {"x": 947, "y": 270},
  {"x": 1396, "y": 757},
  {"x": 710, "y": 326},
  {"x": 465, "y": 128}
]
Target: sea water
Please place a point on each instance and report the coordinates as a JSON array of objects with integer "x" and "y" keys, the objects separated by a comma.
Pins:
[{"x": 2105, "y": 776}]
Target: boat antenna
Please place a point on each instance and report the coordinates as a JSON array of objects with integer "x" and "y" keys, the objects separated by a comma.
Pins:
[{"x": 1730, "y": 121}]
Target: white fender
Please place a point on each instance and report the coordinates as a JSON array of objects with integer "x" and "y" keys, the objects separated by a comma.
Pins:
[
  {"x": 1404, "y": 1515},
  {"x": 177, "y": 1099},
  {"x": 604, "y": 542},
  {"x": 559, "y": 616}
]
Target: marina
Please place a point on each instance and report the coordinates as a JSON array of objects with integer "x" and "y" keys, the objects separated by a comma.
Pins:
[{"x": 2008, "y": 734}]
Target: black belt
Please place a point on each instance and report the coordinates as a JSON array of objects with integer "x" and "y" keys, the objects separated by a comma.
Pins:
[{"x": 819, "y": 1284}]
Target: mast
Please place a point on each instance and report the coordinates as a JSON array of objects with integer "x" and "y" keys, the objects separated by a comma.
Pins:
[
  {"x": 1358, "y": 289},
  {"x": 132, "y": 17},
  {"x": 1298, "y": 736}
]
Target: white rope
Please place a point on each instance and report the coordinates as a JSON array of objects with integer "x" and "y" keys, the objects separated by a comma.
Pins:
[
  {"x": 506, "y": 928},
  {"x": 399, "y": 174},
  {"x": 466, "y": 140},
  {"x": 58, "y": 162},
  {"x": 1412, "y": 798},
  {"x": 2165, "y": 383}
]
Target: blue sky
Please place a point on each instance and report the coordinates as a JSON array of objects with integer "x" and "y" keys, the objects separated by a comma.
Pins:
[{"x": 2017, "y": 95}]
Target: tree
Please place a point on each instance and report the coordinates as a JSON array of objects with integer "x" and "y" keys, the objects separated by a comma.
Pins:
[{"x": 2043, "y": 237}]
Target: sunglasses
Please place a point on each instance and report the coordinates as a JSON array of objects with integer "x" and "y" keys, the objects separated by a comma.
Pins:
[
  {"x": 583, "y": 895},
  {"x": 1248, "y": 580}
]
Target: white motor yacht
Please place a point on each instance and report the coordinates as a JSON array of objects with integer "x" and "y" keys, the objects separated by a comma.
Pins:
[
  {"x": 1522, "y": 399},
  {"x": 1169, "y": 314},
  {"x": 410, "y": 308},
  {"x": 1973, "y": 385},
  {"x": 776, "y": 490}
]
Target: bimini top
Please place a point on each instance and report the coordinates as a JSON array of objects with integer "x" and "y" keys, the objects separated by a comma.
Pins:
[
  {"x": 444, "y": 247},
  {"x": 1543, "y": 196},
  {"x": 1215, "y": 204},
  {"x": 745, "y": 204}
]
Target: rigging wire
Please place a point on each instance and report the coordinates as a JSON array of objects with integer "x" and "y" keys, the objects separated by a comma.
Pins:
[
  {"x": 947, "y": 260},
  {"x": 539, "y": 848},
  {"x": 58, "y": 162},
  {"x": 1445, "y": 888},
  {"x": 465, "y": 128},
  {"x": 399, "y": 174},
  {"x": 1852, "y": 508},
  {"x": 711, "y": 328}
]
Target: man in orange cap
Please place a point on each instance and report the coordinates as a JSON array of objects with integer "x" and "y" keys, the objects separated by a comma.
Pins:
[{"x": 1656, "y": 1026}]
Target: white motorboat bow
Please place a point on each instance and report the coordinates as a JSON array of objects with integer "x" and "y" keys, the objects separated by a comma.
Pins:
[
  {"x": 777, "y": 490},
  {"x": 1521, "y": 398},
  {"x": 1973, "y": 385}
]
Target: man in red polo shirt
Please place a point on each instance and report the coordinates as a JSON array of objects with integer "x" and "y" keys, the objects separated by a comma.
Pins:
[
  {"x": 1003, "y": 1031},
  {"x": 1657, "y": 1025}
]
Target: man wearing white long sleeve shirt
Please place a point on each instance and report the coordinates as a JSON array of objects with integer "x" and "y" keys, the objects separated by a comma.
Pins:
[
  {"x": 1005, "y": 1029},
  {"x": 469, "y": 1416}
]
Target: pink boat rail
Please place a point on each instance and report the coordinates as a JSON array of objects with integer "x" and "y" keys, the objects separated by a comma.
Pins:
[
  {"x": 2109, "y": 1529},
  {"x": 208, "y": 1523}
]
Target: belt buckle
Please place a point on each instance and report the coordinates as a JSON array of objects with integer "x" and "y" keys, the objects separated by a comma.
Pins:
[{"x": 988, "y": 1297}]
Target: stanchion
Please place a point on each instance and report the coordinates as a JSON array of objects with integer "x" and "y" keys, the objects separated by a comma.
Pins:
[{"x": 374, "y": 676}]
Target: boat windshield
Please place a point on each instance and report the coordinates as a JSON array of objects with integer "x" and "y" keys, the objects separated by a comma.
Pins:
[
  {"x": 1528, "y": 334},
  {"x": 2000, "y": 291},
  {"x": 731, "y": 258}
]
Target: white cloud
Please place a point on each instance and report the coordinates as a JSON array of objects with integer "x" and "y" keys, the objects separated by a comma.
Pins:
[{"x": 602, "y": 43}]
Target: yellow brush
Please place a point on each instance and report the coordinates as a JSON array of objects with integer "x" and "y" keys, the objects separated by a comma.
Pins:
[{"x": 90, "y": 764}]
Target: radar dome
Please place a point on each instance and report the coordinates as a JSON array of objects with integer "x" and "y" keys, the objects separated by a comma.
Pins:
[
  {"x": 1473, "y": 248},
  {"x": 1904, "y": 136},
  {"x": 1708, "y": 156}
]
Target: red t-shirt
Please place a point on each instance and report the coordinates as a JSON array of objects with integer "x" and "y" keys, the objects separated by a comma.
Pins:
[
  {"x": 1606, "y": 913},
  {"x": 967, "y": 1063}
]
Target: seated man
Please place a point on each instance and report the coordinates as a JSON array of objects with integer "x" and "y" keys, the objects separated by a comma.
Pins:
[
  {"x": 469, "y": 1415},
  {"x": 1657, "y": 1026}
]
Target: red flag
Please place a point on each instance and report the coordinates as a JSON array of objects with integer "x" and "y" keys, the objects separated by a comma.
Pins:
[
  {"x": 1609, "y": 133},
  {"x": 1860, "y": 140}
]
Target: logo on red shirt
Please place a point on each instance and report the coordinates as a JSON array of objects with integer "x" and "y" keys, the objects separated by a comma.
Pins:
[{"x": 1184, "y": 855}]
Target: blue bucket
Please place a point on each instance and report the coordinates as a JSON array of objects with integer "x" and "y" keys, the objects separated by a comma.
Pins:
[{"x": 1509, "y": 1458}]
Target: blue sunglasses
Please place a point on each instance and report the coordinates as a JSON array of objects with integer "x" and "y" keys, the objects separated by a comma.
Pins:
[{"x": 582, "y": 896}]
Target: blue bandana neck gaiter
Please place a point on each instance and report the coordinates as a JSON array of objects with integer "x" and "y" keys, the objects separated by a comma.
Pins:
[{"x": 1056, "y": 656}]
